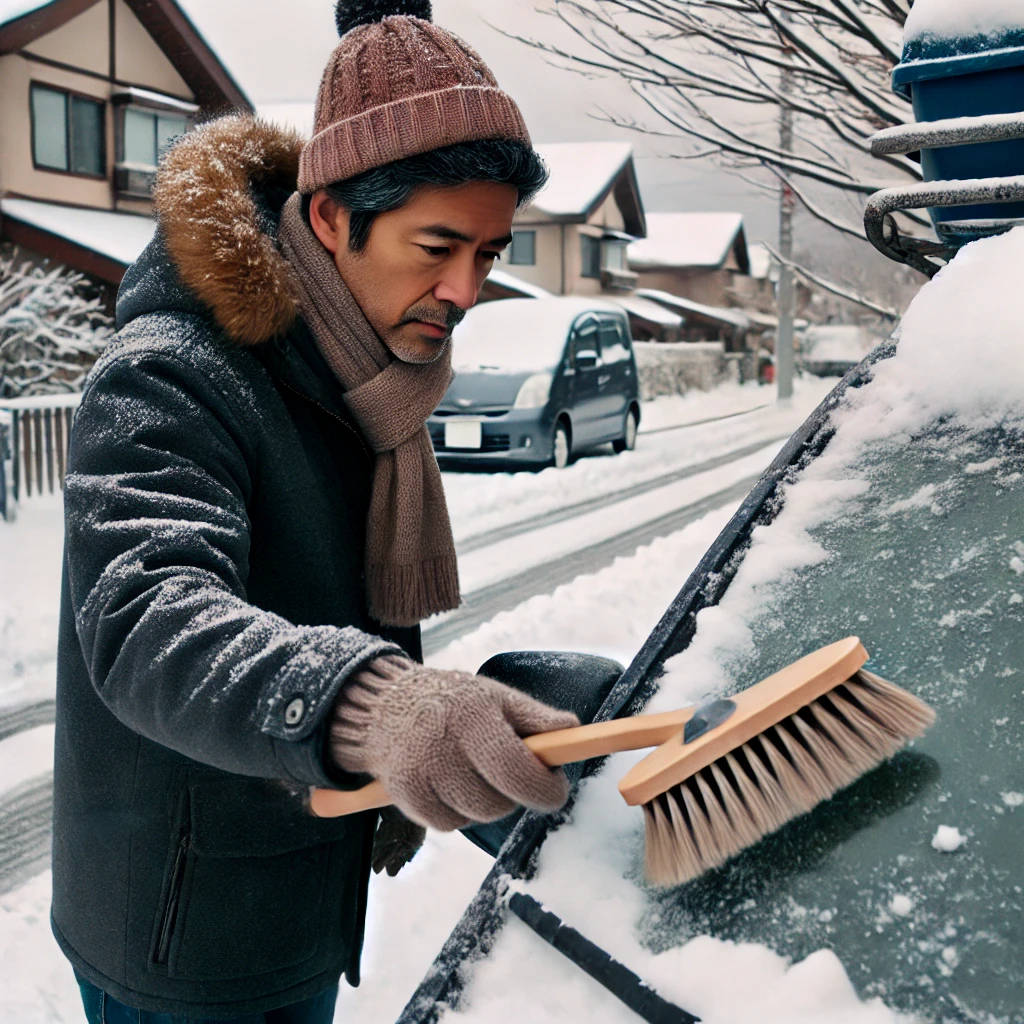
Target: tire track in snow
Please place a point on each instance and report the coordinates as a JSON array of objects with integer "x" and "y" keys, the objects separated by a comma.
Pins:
[
  {"x": 482, "y": 605},
  {"x": 20, "y": 717},
  {"x": 25, "y": 822},
  {"x": 557, "y": 515}
]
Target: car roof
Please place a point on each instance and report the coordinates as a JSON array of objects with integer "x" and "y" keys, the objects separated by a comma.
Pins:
[{"x": 558, "y": 311}]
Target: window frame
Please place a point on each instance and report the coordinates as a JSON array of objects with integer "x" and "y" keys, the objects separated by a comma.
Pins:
[
  {"x": 68, "y": 95},
  {"x": 595, "y": 265},
  {"x": 532, "y": 261},
  {"x": 587, "y": 322},
  {"x": 154, "y": 112}
]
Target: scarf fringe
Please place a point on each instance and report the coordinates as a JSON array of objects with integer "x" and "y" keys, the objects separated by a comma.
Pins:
[{"x": 402, "y": 595}]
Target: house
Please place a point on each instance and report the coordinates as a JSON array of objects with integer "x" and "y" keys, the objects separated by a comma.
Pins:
[
  {"x": 696, "y": 256},
  {"x": 91, "y": 93},
  {"x": 572, "y": 239}
]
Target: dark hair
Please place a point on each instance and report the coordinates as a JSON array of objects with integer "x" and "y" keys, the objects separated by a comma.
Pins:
[{"x": 381, "y": 189}]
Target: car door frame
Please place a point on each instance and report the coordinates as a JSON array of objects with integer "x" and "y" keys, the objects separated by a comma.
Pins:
[
  {"x": 584, "y": 393},
  {"x": 474, "y": 935}
]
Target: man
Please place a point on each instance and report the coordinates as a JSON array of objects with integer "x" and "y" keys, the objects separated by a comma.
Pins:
[{"x": 255, "y": 526}]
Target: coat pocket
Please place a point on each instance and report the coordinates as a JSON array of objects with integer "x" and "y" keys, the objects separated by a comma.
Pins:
[{"x": 250, "y": 895}]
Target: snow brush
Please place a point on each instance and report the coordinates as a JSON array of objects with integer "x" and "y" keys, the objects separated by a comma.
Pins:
[{"x": 733, "y": 770}]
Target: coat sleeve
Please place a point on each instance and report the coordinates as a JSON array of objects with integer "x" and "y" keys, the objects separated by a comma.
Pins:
[{"x": 157, "y": 546}]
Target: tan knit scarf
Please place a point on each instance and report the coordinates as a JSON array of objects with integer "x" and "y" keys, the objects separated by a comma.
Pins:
[{"x": 411, "y": 568}]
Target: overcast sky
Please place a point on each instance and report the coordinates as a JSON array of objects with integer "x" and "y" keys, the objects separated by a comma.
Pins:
[{"x": 278, "y": 48}]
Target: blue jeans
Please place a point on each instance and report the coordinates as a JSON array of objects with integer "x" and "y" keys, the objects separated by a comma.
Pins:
[{"x": 103, "y": 1008}]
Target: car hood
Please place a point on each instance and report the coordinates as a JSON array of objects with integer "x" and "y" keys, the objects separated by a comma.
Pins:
[{"x": 489, "y": 390}]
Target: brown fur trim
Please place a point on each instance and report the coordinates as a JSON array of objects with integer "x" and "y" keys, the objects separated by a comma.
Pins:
[{"x": 206, "y": 210}]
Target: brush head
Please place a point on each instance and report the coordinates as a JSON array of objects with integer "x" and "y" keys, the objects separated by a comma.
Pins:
[{"x": 744, "y": 787}]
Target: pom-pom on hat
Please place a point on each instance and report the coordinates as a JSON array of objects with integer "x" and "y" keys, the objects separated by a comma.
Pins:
[{"x": 396, "y": 86}]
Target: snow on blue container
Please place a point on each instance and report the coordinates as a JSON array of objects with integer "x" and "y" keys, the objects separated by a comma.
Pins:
[{"x": 965, "y": 58}]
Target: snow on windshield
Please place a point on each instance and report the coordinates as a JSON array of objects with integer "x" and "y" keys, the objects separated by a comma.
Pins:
[
  {"x": 909, "y": 531},
  {"x": 957, "y": 18},
  {"x": 516, "y": 335}
]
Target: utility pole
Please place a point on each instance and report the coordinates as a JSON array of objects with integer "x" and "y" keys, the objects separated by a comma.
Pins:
[{"x": 786, "y": 296}]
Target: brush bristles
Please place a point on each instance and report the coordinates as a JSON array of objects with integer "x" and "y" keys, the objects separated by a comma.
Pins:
[{"x": 779, "y": 775}]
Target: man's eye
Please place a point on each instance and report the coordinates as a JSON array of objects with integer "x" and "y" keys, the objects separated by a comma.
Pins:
[
  {"x": 491, "y": 255},
  {"x": 435, "y": 250}
]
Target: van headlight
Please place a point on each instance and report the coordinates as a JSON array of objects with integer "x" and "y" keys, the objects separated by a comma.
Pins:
[{"x": 535, "y": 391}]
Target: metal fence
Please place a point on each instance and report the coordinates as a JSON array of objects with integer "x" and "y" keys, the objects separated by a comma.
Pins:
[{"x": 34, "y": 438}]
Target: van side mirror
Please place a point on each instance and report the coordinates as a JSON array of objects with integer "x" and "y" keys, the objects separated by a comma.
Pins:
[{"x": 586, "y": 360}]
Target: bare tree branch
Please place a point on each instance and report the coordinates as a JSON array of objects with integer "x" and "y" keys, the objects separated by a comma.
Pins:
[
  {"x": 708, "y": 71},
  {"x": 833, "y": 288}
]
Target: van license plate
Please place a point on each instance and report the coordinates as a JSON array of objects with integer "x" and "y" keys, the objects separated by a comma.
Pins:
[{"x": 463, "y": 434}]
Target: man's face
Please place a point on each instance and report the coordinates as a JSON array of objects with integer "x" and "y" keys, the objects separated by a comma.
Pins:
[{"x": 424, "y": 263}]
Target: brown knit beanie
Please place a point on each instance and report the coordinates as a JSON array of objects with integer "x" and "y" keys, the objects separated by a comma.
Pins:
[{"x": 397, "y": 86}]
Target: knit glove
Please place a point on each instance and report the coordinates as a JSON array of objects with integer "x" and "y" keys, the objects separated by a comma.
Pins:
[
  {"x": 446, "y": 745},
  {"x": 396, "y": 841}
]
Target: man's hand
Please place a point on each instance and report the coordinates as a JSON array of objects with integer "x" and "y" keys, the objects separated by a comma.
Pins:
[
  {"x": 396, "y": 841},
  {"x": 446, "y": 745}
]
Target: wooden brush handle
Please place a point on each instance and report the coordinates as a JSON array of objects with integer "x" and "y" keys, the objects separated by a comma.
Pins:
[{"x": 563, "y": 746}]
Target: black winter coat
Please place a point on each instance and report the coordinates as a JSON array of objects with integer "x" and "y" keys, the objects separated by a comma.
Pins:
[{"x": 212, "y": 607}]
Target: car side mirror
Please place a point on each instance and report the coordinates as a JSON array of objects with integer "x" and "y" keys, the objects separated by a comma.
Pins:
[
  {"x": 586, "y": 360},
  {"x": 563, "y": 679},
  {"x": 572, "y": 682}
]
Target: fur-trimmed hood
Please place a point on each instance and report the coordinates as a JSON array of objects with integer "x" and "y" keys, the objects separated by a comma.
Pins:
[{"x": 218, "y": 195}]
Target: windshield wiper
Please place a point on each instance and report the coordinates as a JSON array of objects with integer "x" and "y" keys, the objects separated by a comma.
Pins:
[{"x": 616, "y": 977}]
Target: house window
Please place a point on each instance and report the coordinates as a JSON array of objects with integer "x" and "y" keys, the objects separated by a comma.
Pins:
[
  {"x": 67, "y": 132},
  {"x": 523, "y": 250},
  {"x": 590, "y": 256},
  {"x": 147, "y": 134},
  {"x": 614, "y": 255}
]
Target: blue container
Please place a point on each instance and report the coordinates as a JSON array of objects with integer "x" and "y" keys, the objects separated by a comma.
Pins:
[{"x": 967, "y": 77}]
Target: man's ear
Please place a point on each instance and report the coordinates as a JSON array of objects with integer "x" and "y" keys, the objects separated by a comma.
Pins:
[{"x": 329, "y": 221}]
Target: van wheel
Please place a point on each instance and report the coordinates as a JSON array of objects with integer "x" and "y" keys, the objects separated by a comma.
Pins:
[
  {"x": 627, "y": 442},
  {"x": 560, "y": 447}
]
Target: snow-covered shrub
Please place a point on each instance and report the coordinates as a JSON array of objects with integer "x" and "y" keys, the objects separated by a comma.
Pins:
[{"x": 51, "y": 328}]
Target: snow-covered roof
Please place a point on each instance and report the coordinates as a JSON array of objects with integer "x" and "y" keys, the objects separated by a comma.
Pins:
[
  {"x": 958, "y": 18},
  {"x": 137, "y": 95},
  {"x": 520, "y": 334},
  {"x": 686, "y": 240},
  {"x": 506, "y": 279},
  {"x": 675, "y": 302},
  {"x": 581, "y": 172},
  {"x": 760, "y": 260},
  {"x": 650, "y": 311},
  {"x": 11, "y": 10},
  {"x": 118, "y": 236}
]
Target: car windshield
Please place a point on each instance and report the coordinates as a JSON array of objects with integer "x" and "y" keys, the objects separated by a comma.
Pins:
[
  {"x": 908, "y": 531},
  {"x": 513, "y": 335}
]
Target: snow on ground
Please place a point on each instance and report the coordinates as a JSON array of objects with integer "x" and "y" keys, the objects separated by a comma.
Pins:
[
  {"x": 30, "y": 557},
  {"x": 481, "y": 502}
]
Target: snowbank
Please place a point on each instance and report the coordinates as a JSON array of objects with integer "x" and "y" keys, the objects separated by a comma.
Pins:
[{"x": 962, "y": 18}]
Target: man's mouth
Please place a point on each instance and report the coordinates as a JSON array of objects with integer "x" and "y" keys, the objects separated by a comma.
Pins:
[{"x": 433, "y": 329}]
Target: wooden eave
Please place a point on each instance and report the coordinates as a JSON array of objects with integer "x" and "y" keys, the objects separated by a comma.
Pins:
[
  {"x": 215, "y": 90},
  {"x": 29, "y": 27},
  {"x": 211, "y": 82}
]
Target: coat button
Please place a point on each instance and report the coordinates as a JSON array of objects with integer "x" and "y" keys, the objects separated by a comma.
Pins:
[{"x": 294, "y": 711}]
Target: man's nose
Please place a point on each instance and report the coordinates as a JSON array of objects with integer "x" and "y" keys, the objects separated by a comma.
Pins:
[{"x": 459, "y": 284}]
